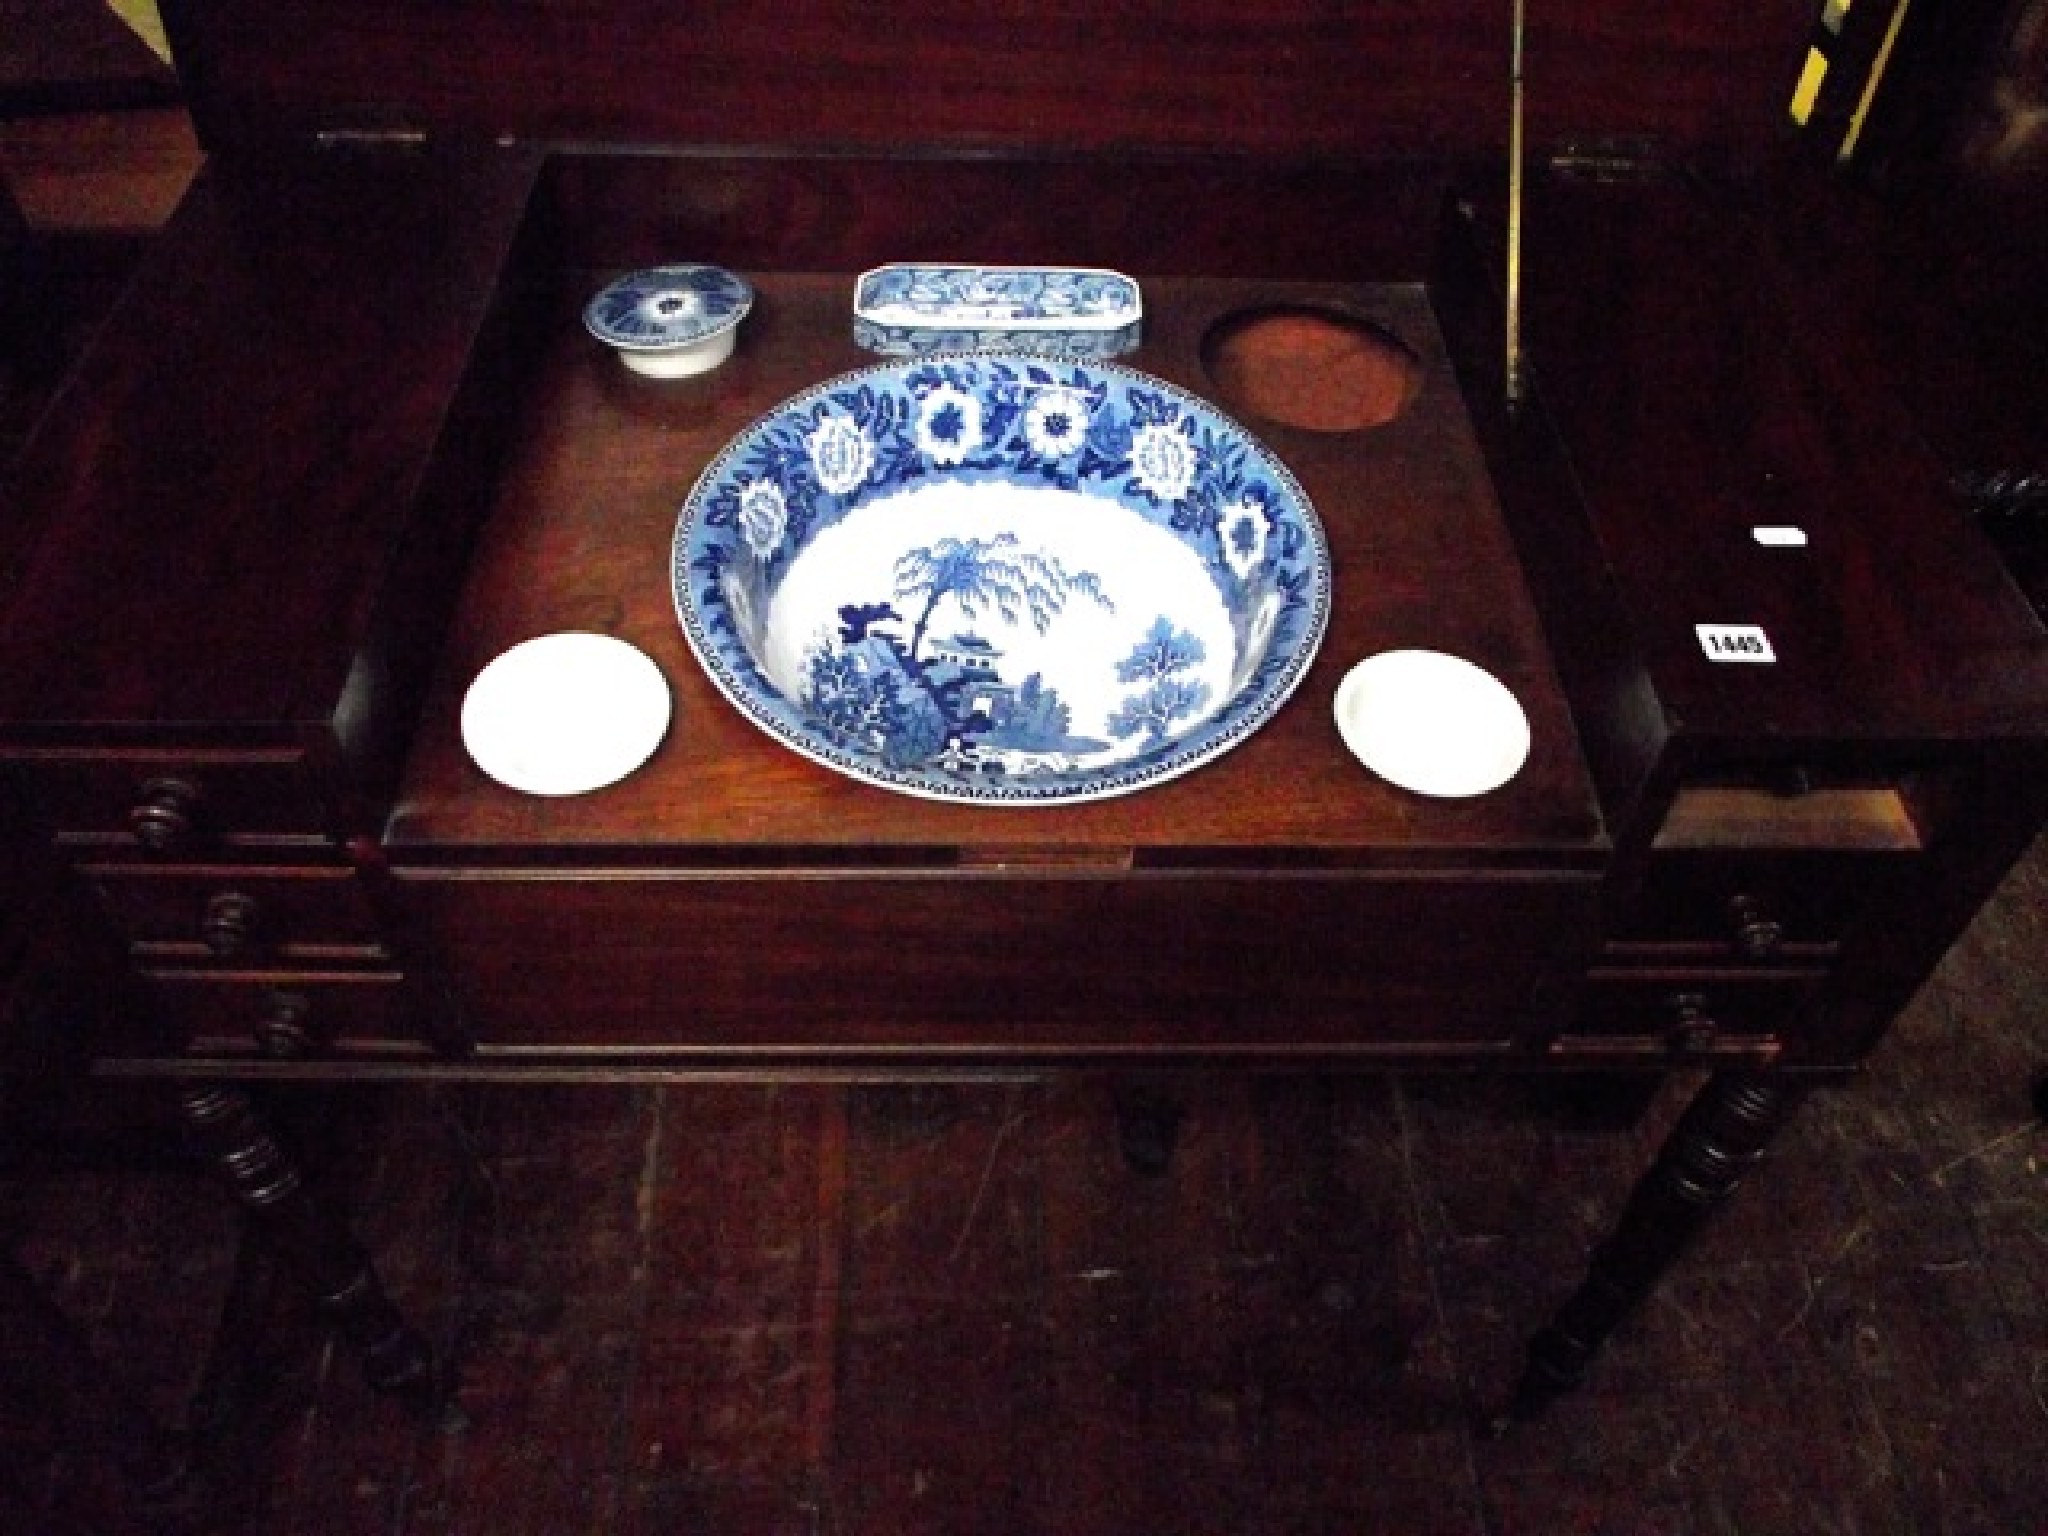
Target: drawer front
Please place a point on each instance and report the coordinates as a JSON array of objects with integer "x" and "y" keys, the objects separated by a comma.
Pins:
[
  {"x": 1751, "y": 907},
  {"x": 291, "y": 1016},
  {"x": 814, "y": 964},
  {"x": 176, "y": 804},
  {"x": 239, "y": 915},
  {"x": 1688, "y": 1014}
]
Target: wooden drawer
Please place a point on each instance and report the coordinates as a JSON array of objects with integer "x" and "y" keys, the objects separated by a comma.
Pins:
[
  {"x": 1755, "y": 907},
  {"x": 291, "y": 1016},
  {"x": 1674, "y": 1013},
  {"x": 239, "y": 914},
  {"x": 176, "y": 804},
  {"x": 821, "y": 965}
]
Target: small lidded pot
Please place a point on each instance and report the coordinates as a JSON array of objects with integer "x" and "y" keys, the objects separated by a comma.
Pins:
[{"x": 671, "y": 322}]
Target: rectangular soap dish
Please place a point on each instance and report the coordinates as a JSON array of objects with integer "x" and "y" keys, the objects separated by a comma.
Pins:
[{"x": 909, "y": 310}]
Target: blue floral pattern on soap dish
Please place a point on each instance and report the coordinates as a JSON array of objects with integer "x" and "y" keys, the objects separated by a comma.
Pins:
[
  {"x": 672, "y": 306},
  {"x": 1083, "y": 313}
]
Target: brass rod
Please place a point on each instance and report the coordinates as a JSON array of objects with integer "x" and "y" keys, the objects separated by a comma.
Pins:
[
  {"x": 1878, "y": 67},
  {"x": 1514, "y": 275}
]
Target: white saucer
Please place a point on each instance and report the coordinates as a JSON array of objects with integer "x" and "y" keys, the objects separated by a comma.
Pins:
[
  {"x": 566, "y": 713},
  {"x": 1432, "y": 723}
]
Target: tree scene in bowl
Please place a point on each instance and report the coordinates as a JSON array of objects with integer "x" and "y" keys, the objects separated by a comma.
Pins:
[{"x": 977, "y": 573}]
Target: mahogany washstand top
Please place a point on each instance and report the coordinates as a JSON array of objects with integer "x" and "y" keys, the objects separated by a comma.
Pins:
[{"x": 345, "y": 441}]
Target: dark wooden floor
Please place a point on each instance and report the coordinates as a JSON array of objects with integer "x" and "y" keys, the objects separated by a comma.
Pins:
[{"x": 746, "y": 1309}]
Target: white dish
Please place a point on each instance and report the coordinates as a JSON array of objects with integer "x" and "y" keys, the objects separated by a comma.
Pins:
[
  {"x": 566, "y": 713},
  {"x": 1432, "y": 723}
]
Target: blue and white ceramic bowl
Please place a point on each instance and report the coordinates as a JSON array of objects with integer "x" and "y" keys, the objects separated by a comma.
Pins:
[
  {"x": 909, "y": 310},
  {"x": 671, "y": 322},
  {"x": 1000, "y": 579}
]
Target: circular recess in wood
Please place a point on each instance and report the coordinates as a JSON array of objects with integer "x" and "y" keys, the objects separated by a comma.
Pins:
[{"x": 1305, "y": 366}]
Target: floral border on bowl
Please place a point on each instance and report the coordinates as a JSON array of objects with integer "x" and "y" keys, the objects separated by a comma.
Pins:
[{"x": 1100, "y": 430}]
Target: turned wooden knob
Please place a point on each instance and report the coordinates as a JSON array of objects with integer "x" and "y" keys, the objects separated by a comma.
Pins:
[
  {"x": 284, "y": 1032},
  {"x": 229, "y": 925},
  {"x": 1693, "y": 1029},
  {"x": 166, "y": 818},
  {"x": 1757, "y": 934}
]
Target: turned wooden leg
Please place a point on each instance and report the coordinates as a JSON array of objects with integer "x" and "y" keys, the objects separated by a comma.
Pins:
[
  {"x": 312, "y": 1243},
  {"x": 1716, "y": 1142}
]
